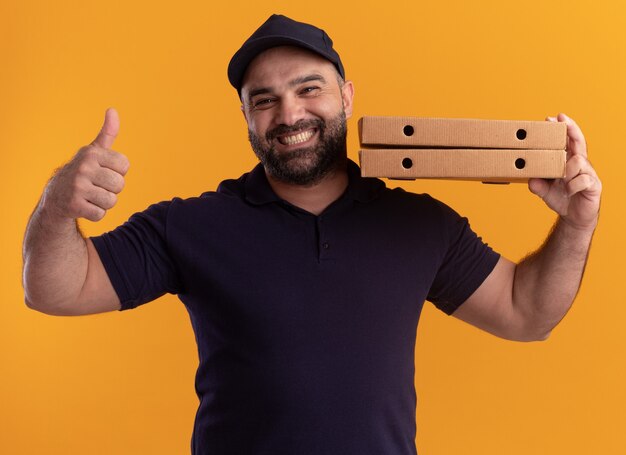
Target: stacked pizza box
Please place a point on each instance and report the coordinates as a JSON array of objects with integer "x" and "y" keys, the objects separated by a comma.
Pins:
[{"x": 496, "y": 151}]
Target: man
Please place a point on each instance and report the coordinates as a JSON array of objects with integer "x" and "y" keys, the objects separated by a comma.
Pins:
[{"x": 304, "y": 281}]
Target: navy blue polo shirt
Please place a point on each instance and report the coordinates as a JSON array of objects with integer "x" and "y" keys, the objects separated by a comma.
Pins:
[{"x": 305, "y": 324}]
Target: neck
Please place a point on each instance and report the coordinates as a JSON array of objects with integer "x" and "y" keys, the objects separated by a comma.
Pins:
[{"x": 312, "y": 198}]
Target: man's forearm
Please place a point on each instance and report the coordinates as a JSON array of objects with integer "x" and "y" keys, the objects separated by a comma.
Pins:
[
  {"x": 547, "y": 281},
  {"x": 62, "y": 271},
  {"x": 55, "y": 261}
]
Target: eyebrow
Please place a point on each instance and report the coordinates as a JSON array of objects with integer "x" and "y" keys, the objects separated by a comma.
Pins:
[{"x": 292, "y": 83}]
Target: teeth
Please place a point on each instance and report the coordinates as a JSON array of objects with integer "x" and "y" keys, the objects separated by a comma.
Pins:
[{"x": 297, "y": 138}]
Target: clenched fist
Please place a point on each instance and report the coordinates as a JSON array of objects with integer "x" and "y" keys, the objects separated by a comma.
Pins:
[{"x": 88, "y": 185}]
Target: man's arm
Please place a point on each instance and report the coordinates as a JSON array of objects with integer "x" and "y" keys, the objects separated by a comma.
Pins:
[
  {"x": 526, "y": 301},
  {"x": 63, "y": 274}
]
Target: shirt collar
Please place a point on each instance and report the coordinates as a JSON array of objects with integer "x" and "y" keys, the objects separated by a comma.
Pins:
[
  {"x": 258, "y": 190},
  {"x": 362, "y": 189}
]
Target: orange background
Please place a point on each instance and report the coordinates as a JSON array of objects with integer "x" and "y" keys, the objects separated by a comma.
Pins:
[{"x": 122, "y": 383}]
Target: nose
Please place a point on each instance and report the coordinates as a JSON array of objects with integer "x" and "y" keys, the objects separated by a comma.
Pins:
[{"x": 290, "y": 110}]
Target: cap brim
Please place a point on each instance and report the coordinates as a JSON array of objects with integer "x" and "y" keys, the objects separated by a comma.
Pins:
[{"x": 244, "y": 56}]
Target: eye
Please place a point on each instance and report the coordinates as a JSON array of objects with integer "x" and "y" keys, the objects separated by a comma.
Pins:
[
  {"x": 309, "y": 90},
  {"x": 263, "y": 103}
]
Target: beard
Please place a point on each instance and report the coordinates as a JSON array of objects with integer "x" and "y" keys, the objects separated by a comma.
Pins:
[{"x": 307, "y": 165}]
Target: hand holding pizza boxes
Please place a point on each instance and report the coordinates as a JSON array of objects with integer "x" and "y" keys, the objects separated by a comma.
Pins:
[{"x": 467, "y": 149}]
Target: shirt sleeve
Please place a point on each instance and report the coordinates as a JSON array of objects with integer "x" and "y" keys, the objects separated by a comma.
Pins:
[
  {"x": 136, "y": 257},
  {"x": 466, "y": 263}
]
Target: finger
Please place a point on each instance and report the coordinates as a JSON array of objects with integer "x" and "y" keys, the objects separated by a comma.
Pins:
[
  {"x": 578, "y": 165},
  {"x": 582, "y": 182},
  {"x": 540, "y": 187},
  {"x": 80, "y": 207},
  {"x": 113, "y": 160},
  {"x": 109, "y": 180},
  {"x": 92, "y": 212},
  {"x": 581, "y": 176},
  {"x": 576, "y": 144},
  {"x": 101, "y": 198},
  {"x": 109, "y": 130}
]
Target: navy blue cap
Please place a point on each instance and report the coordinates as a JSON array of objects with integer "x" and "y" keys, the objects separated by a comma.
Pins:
[{"x": 279, "y": 30}]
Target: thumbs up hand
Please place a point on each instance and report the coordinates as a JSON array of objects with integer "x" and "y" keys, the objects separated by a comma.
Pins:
[{"x": 88, "y": 185}]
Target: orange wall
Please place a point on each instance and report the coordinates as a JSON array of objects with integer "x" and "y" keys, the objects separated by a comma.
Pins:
[{"x": 123, "y": 383}]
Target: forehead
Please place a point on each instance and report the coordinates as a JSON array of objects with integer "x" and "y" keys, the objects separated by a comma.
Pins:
[{"x": 280, "y": 64}]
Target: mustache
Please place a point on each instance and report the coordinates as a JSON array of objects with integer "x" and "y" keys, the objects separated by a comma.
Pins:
[{"x": 298, "y": 126}]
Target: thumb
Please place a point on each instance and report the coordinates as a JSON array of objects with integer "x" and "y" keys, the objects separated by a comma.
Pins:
[{"x": 109, "y": 130}]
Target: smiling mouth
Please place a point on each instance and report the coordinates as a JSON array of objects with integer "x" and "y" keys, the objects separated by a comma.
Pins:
[{"x": 298, "y": 138}]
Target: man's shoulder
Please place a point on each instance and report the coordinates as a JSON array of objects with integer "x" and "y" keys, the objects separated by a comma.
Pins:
[
  {"x": 399, "y": 195},
  {"x": 229, "y": 195},
  {"x": 412, "y": 207}
]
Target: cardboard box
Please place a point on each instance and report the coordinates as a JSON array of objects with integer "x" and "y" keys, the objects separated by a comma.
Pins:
[
  {"x": 461, "y": 133},
  {"x": 487, "y": 165}
]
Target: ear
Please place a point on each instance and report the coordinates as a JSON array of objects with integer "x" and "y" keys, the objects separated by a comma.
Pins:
[
  {"x": 347, "y": 95},
  {"x": 243, "y": 111}
]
